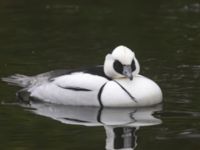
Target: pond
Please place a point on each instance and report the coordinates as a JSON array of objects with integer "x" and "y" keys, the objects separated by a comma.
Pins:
[{"x": 38, "y": 36}]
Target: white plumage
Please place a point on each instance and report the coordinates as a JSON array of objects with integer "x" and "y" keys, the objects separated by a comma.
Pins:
[{"x": 116, "y": 84}]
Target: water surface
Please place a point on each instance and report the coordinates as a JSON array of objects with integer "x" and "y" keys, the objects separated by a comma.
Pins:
[{"x": 38, "y": 36}]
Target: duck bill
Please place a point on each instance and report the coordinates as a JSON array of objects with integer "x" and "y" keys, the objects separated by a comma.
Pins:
[{"x": 127, "y": 72}]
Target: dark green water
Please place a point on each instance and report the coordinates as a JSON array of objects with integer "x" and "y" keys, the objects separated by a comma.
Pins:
[{"x": 37, "y": 36}]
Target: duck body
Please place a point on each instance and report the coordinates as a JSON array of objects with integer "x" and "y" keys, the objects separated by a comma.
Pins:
[
  {"x": 79, "y": 88},
  {"x": 139, "y": 92},
  {"x": 90, "y": 88},
  {"x": 113, "y": 85}
]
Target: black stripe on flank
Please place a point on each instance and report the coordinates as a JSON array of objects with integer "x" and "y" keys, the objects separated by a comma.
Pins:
[
  {"x": 75, "y": 88},
  {"x": 99, "y": 115},
  {"x": 99, "y": 94},
  {"x": 133, "y": 98},
  {"x": 76, "y": 120}
]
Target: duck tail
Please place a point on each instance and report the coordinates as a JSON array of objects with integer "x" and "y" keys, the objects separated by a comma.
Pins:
[{"x": 18, "y": 80}]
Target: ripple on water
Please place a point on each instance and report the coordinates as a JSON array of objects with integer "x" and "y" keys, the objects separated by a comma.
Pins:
[
  {"x": 179, "y": 125},
  {"x": 194, "y": 7}
]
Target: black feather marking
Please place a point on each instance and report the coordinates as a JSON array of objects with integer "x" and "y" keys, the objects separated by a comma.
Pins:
[
  {"x": 133, "y": 67},
  {"x": 97, "y": 70},
  {"x": 118, "y": 67},
  {"x": 99, "y": 94},
  {"x": 99, "y": 115},
  {"x": 133, "y": 98},
  {"x": 75, "y": 88},
  {"x": 76, "y": 120},
  {"x": 23, "y": 96}
]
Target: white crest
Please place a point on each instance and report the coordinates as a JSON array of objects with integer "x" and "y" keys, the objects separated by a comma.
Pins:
[{"x": 125, "y": 56}]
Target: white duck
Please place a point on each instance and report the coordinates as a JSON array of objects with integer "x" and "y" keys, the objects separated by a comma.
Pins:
[{"x": 116, "y": 84}]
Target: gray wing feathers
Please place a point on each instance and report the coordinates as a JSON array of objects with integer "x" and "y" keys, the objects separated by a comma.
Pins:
[
  {"x": 29, "y": 81},
  {"x": 19, "y": 80}
]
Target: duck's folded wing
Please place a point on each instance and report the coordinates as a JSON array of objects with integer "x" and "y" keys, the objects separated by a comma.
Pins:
[{"x": 79, "y": 81}]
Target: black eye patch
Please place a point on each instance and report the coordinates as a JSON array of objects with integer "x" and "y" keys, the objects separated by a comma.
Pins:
[
  {"x": 133, "y": 65},
  {"x": 118, "y": 66}
]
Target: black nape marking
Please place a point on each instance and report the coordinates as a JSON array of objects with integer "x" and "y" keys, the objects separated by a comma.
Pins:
[
  {"x": 133, "y": 66},
  {"x": 75, "y": 88},
  {"x": 97, "y": 70},
  {"x": 118, "y": 67}
]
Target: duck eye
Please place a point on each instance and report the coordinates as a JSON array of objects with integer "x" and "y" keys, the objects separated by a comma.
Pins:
[
  {"x": 118, "y": 66},
  {"x": 133, "y": 65}
]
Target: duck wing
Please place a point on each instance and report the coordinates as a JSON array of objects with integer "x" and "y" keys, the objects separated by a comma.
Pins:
[
  {"x": 97, "y": 70},
  {"x": 29, "y": 81}
]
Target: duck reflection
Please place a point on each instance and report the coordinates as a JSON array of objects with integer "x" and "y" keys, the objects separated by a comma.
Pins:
[{"x": 120, "y": 124}]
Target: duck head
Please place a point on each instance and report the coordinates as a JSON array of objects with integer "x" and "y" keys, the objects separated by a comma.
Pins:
[{"x": 121, "y": 63}]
